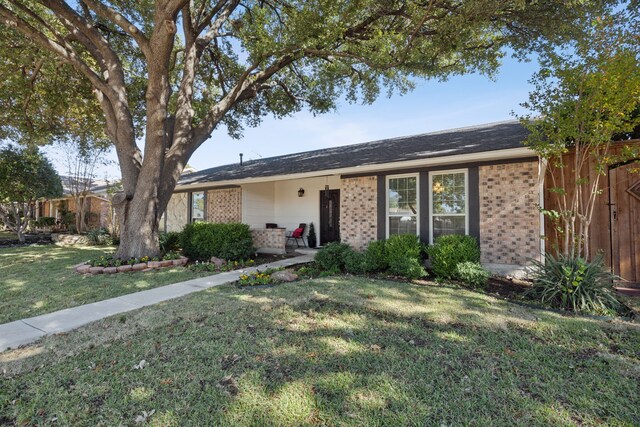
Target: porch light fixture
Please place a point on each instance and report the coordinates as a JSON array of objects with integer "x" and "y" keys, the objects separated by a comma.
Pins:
[{"x": 301, "y": 192}]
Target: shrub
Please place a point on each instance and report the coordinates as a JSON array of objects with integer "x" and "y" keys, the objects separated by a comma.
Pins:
[
  {"x": 310, "y": 270},
  {"x": 472, "y": 273},
  {"x": 312, "y": 240},
  {"x": 99, "y": 236},
  {"x": 202, "y": 240},
  {"x": 449, "y": 251},
  {"x": 45, "y": 221},
  {"x": 375, "y": 257},
  {"x": 331, "y": 257},
  {"x": 574, "y": 284},
  {"x": 354, "y": 262},
  {"x": 169, "y": 241},
  {"x": 403, "y": 256}
]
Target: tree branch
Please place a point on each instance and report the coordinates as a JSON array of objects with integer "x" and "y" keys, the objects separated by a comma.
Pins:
[{"x": 127, "y": 26}]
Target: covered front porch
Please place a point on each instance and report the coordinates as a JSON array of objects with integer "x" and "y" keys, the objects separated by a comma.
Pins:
[
  {"x": 272, "y": 208},
  {"x": 285, "y": 204}
]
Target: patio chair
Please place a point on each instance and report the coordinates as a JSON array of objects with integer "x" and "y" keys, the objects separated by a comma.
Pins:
[{"x": 297, "y": 234}]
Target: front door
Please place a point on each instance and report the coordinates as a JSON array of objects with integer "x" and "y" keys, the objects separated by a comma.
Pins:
[
  {"x": 329, "y": 216},
  {"x": 624, "y": 192}
]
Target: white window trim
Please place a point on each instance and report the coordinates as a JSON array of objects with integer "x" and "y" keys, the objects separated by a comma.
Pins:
[
  {"x": 406, "y": 175},
  {"x": 466, "y": 199}
]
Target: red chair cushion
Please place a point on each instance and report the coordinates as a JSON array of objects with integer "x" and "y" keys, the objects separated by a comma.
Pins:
[{"x": 297, "y": 232}]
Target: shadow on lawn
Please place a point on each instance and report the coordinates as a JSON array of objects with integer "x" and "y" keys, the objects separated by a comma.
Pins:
[
  {"x": 406, "y": 369},
  {"x": 333, "y": 352}
]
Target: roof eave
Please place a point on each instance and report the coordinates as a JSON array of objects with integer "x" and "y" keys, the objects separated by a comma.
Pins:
[{"x": 505, "y": 154}]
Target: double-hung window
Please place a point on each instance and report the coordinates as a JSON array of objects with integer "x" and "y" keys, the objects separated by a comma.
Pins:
[
  {"x": 449, "y": 207},
  {"x": 402, "y": 205}
]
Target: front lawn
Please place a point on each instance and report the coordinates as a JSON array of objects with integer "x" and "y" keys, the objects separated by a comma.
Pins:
[
  {"x": 6, "y": 235},
  {"x": 332, "y": 351},
  {"x": 40, "y": 279}
]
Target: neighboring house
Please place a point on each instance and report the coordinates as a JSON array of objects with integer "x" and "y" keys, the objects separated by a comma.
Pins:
[
  {"x": 98, "y": 209},
  {"x": 479, "y": 181}
]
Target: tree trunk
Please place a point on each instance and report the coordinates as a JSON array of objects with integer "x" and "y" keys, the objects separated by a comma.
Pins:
[{"x": 139, "y": 221}]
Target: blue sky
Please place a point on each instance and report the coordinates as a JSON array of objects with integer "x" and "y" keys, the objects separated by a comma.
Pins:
[{"x": 432, "y": 106}]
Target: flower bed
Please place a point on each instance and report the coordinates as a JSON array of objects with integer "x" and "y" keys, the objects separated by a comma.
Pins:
[{"x": 106, "y": 264}]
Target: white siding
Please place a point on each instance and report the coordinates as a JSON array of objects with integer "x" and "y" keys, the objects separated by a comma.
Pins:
[
  {"x": 291, "y": 210},
  {"x": 258, "y": 204}
]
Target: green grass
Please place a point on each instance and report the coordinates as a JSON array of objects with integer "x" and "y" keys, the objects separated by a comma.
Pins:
[
  {"x": 40, "y": 279},
  {"x": 6, "y": 235},
  {"x": 332, "y": 351}
]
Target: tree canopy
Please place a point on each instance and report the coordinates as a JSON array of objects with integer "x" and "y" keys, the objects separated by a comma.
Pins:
[
  {"x": 25, "y": 176},
  {"x": 173, "y": 71}
]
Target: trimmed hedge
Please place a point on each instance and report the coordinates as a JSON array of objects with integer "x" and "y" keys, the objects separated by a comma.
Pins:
[
  {"x": 331, "y": 257},
  {"x": 404, "y": 256},
  {"x": 375, "y": 257},
  {"x": 203, "y": 240},
  {"x": 449, "y": 251}
]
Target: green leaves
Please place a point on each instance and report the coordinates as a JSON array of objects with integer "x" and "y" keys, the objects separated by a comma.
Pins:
[
  {"x": 26, "y": 175},
  {"x": 589, "y": 93}
]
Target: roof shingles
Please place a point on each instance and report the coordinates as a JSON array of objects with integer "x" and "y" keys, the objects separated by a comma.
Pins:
[{"x": 490, "y": 137}]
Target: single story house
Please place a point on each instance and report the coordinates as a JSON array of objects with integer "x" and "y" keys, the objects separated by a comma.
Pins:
[
  {"x": 98, "y": 211},
  {"x": 479, "y": 181}
]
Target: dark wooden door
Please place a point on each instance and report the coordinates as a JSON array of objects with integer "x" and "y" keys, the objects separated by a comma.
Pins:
[
  {"x": 624, "y": 193},
  {"x": 329, "y": 216}
]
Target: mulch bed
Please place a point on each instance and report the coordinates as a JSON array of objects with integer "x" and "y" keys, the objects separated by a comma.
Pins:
[
  {"x": 507, "y": 288},
  {"x": 30, "y": 239}
]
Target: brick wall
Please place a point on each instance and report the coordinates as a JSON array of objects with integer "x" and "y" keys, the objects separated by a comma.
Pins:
[
  {"x": 358, "y": 211},
  {"x": 224, "y": 205},
  {"x": 269, "y": 238},
  {"x": 509, "y": 218}
]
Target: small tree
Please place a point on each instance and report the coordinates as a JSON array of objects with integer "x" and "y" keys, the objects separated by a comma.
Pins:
[
  {"x": 583, "y": 101},
  {"x": 311, "y": 237},
  {"x": 81, "y": 159},
  {"x": 25, "y": 176}
]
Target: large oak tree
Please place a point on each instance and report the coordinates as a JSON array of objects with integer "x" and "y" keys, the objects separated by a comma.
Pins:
[{"x": 170, "y": 72}]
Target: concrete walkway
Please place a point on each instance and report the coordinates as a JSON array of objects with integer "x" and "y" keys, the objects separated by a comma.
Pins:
[{"x": 26, "y": 331}]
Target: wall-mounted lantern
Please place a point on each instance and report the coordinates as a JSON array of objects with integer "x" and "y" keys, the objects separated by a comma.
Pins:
[{"x": 301, "y": 192}]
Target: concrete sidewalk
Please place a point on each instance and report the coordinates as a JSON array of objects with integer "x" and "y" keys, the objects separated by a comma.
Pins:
[{"x": 26, "y": 331}]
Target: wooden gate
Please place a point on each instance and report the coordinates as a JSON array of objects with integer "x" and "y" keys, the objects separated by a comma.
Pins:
[{"x": 624, "y": 217}]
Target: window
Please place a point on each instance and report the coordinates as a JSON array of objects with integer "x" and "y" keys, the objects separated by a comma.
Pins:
[
  {"x": 402, "y": 205},
  {"x": 449, "y": 207},
  {"x": 197, "y": 206}
]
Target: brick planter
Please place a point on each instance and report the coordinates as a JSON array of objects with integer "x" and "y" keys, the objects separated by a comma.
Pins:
[
  {"x": 143, "y": 266},
  {"x": 140, "y": 266}
]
